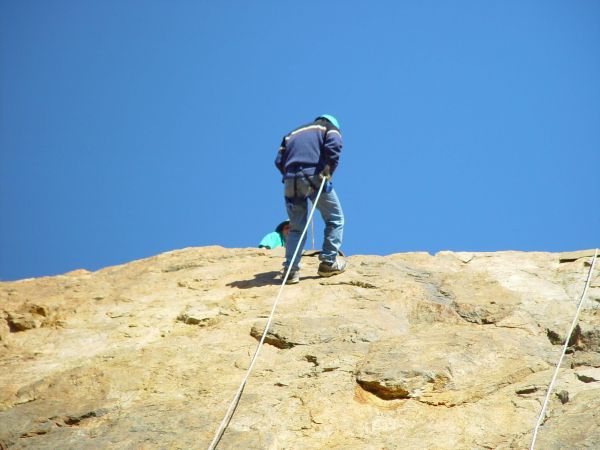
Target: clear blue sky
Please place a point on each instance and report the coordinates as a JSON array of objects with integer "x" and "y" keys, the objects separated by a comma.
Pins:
[{"x": 129, "y": 128}]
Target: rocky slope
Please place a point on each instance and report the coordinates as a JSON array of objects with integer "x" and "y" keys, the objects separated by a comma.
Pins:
[{"x": 450, "y": 351}]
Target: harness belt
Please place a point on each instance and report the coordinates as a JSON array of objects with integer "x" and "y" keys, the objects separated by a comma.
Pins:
[{"x": 300, "y": 172}]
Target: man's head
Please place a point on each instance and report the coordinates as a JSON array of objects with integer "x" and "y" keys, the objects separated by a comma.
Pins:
[
  {"x": 330, "y": 118},
  {"x": 283, "y": 228}
]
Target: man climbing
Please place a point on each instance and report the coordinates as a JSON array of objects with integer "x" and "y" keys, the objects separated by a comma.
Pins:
[{"x": 307, "y": 155}]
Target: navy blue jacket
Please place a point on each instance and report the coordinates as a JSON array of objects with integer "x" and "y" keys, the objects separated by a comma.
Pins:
[{"x": 310, "y": 148}]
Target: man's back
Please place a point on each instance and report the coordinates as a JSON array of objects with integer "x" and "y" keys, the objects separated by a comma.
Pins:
[{"x": 309, "y": 148}]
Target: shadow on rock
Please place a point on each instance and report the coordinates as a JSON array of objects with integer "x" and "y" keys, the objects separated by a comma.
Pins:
[{"x": 260, "y": 279}]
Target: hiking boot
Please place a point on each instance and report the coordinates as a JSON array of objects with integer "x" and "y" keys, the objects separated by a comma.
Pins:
[
  {"x": 329, "y": 269},
  {"x": 294, "y": 277}
]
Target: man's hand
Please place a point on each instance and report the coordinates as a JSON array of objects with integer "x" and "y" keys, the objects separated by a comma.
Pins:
[{"x": 326, "y": 173}]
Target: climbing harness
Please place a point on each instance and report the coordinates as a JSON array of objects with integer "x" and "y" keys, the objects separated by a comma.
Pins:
[
  {"x": 564, "y": 350},
  {"x": 238, "y": 394}
]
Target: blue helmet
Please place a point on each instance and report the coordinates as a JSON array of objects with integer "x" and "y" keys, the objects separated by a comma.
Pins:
[{"x": 332, "y": 119}]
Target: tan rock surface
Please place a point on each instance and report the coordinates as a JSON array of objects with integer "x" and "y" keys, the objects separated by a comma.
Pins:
[{"x": 407, "y": 351}]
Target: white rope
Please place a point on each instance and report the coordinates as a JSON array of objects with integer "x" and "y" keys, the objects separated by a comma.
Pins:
[
  {"x": 564, "y": 350},
  {"x": 238, "y": 394}
]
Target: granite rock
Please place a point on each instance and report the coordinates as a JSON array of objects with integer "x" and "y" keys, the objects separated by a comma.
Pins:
[{"x": 409, "y": 350}]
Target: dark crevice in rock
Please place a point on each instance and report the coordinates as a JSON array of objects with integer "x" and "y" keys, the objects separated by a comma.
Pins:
[
  {"x": 553, "y": 337},
  {"x": 278, "y": 342},
  {"x": 384, "y": 393},
  {"x": 11, "y": 327},
  {"x": 61, "y": 421},
  {"x": 474, "y": 316},
  {"x": 75, "y": 420},
  {"x": 30, "y": 434},
  {"x": 527, "y": 390},
  {"x": 585, "y": 378},
  {"x": 272, "y": 339},
  {"x": 312, "y": 359},
  {"x": 557, "y": 339},
  {"x": 563, "y": 396}
]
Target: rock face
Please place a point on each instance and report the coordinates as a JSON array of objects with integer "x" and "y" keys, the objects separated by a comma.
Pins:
[{"x": 407, "y": 351}]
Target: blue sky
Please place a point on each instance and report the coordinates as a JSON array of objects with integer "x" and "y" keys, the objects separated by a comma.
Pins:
[{"x": 129, "y": 128}]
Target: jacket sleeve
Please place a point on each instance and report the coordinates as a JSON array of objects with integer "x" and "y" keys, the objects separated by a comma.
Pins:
[
  {"x": 280, "y": 158},
  {"x": 332, "y": 147}
]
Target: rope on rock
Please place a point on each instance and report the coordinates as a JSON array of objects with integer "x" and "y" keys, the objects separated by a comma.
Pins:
[
  {"x": 564, "y": 350},
  {"x": 238, "y": 394}
]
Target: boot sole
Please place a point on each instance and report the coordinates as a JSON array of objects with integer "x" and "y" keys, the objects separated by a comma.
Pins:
[{"x": 329, "y": 274}]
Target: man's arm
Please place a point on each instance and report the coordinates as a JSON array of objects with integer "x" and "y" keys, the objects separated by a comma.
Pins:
[
  {"x": 332, "y": 148},
  {"x": 280, "y": 158}
]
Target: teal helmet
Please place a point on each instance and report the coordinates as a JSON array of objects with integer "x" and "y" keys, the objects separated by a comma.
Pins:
[{"x": 332, "y": 119}]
